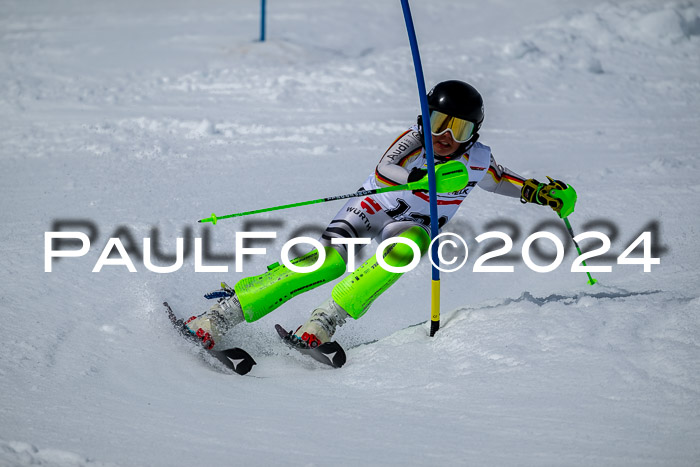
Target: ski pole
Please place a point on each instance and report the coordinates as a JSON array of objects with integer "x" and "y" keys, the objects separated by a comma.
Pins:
[
  {"x": 451, "y": 176},
  {"x": 591, "y": 281},
  {"x": 214, "y": 218}
]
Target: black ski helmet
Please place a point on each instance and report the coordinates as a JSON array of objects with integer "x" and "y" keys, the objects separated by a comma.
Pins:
[
  {"x": 461, "y": 100},
  {"x": 458, "y": 99}
]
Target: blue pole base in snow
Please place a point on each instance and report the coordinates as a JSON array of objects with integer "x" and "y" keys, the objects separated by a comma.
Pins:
[{"x": 262, "y": 20}]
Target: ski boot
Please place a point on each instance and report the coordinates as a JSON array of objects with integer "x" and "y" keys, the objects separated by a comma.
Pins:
[
  {"x": 320, "y": 326},
  {"x": 211, "y": 326}
]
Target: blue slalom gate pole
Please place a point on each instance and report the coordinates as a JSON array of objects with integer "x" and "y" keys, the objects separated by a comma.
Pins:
[
  {"x": 428, "y": 138},
  {"x": 262, "y": 20}
]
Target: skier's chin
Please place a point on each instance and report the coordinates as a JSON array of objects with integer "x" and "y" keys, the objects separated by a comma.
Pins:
[{"x": 442, "y": 149}]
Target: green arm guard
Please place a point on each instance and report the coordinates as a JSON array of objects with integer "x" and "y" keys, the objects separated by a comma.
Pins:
[{"x": 450, "y": 176}]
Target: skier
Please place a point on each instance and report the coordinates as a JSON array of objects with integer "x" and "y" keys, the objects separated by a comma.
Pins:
[{"x": 456, "y": 114}]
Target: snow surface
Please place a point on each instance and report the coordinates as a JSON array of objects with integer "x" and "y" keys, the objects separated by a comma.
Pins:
[{"x": 150, "y": 115}]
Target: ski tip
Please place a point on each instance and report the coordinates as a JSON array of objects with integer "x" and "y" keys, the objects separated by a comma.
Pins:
[
  {"x": 171, "y": 314},
  {"x": 281, "y": 331}
]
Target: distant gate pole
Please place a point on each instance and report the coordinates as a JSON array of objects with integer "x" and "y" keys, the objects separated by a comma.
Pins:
[{"x": 262, "y": 20}]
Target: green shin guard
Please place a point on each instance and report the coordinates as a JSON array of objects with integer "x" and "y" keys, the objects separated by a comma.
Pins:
[
  {"x": 356, "y": 292},
  {"x": 259, "y": 295}
]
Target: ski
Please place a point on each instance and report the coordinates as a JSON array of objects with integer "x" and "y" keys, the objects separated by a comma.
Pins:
[
  {"x": 235, "y": 359},
  {"x": 329, "y": 353}
]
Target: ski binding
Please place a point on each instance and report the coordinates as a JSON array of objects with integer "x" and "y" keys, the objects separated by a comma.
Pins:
[
  {"x": 329, "y": 353},
  {"x": 235, "y": 359}
]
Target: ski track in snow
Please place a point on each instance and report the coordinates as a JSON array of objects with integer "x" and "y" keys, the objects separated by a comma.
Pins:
[{"x": 140, "y": 119}]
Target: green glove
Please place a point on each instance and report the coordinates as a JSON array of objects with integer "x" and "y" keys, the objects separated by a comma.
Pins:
[{"x": 556, "y": 194}]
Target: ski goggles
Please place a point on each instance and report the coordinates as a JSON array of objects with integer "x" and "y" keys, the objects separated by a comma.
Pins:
[{"x": 460, "y": 129}]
